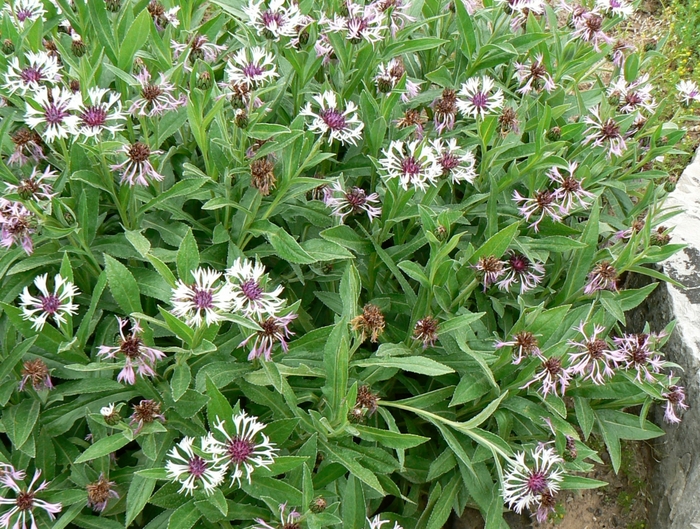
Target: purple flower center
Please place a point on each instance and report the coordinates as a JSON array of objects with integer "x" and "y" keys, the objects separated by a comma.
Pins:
[
  {"x": 23, "y": 14},
  {"x": 252, "y": 70},
  {"x": 31, "y": 74},
  {"x": 356, "y": 198},
  {"x": 54, "y": 114},
  {"x": 239, "y": 450},
  {"x": 94, "y": 116},
  {"x": 334, "y": 119},
  {"x": 25, "y": 501},
  {"x": 519, "y": 263},
  {"x": 614, "y": 4},
  {"x": 50, "y": 303},
  {"x": 272, "y": 19},
  {"x": 410, "y": 166},
  {"x": 448, "y": 161},
  {"x": 480, "y": 100},
  {"x": 203, "y": 298},
  {"x": 197, "y": 466},
  {"x": 252, "y": 290},
  {"x": 537, "y": 483}
]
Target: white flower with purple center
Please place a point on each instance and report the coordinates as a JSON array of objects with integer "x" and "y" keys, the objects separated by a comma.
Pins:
[
  {"x": 251, "y": 67},
  {"x": 377, "y": 523},
  {"x": 524, "y": 486},
  {"x": 203, "y": 301},
  {"x": 362, "y": 23},
  {"x": 274, "y": 329},
  {"x": 552, "y": 375},
  {"x": 137, "y": 354},
  {"x": 248, "y": 284},
  {"x": 520, "y": 10},
  {"x": 275, "y": 21},
  {"x": 137, "y": 169},
  {"x": 688, "y": 91},
  {"x": 534, "y": 76},
  {"x": 389, "y": 75},
  {"x": 415, "y": 164},
  {"x": 17, "y": 225},
  {"x": 354, "y": 201},
  {"x": 57, "y": 304},
  {"x": 619, "y": 8},
  {"x": 543, "y": 204},
  {"x": 520, "y": 269},
  {"x": 40, "y": 69},
  {"x": 56, "y": 111},
  {"x": 457, "y": 163},
  {"x": 478, "y": 97},
  {"x": 675, "y": 401},
  {"x": 200, "y": 48},
  {"x": 570, "y": 193},
  {"x": 21, "y": 515},
  {"x": 156, "y": 98},
  {"x": 98, "y": 114},
  {"x": 340, "y": 124},
  {"x": 396, "y": 11},
  {"x": 24, "y": 11},
  {"x": 595, "y": 359},
  {"x": 637, "y": 351},
  {"x": 245, "y": 448},
  {"x": 604, "y": 133},
  {"x": 197, "y": 464},
  {"x": 633, "y": 96},
  {"x": 37, "y": 186}
]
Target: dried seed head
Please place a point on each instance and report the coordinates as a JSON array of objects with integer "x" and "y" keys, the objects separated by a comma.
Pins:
[
  {"x": 508, "y": 121},
  {"x": 146, "y": 412},
  {"x": 426, "y": 330},
  {"x": 366, "y": 400},
  {"x": 262, "y": 175},
  {"x": 570, "y": 452},
  {"x": 36, "y": 372},
  {"x": 660, "y": 237},
  {"x": 138, "y": 152},
  {"x": 370, "y": 322},
  {"x": 99, "y": 493},
  {"x": 526, "y": 342}
]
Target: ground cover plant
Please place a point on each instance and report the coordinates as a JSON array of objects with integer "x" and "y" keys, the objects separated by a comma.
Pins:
[{"x": 275, "y": 264}]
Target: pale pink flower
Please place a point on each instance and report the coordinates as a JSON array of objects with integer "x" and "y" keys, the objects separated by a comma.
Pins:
[
  {"x": 675, "y": 401},
  {"x": 637, "y": 351},
  {"x": 570, "y": 193},
  {"x": 193, "y": 464},
  {"x": 543, "y": 204},
  {"x": 17, "y": 225},
  {"x": 688, "y": 91},
  {"x": 37, "y": 186},
  {"x": 602, "y": 277},
  {"x": 604, "y": 133},
  {"x": 273, "y": 329},
  {"x": 21, "y": 515},
  {"x": 552, "y": 375},
  {"x": 524, "y": 344},
  {"x": 354, "y": 201},
  {"x": 590, "y": 29},
  {"x": 156, "y": 99},
  {"x": 533, "y": 76},
  {"x": 594, "y": 359},
  {"x": 137, "y": 168}
]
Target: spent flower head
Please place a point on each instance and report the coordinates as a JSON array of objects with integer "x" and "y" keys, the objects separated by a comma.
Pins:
[
  {"x": 273, "y": 329},
  {"x": 595, "y": 359},
  {"x": 99, "y": 493},
  {"x": 22, "y": 512}
]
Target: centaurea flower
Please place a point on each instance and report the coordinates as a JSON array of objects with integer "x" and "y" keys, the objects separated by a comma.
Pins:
[
  {"x": 543, "y": 204},
  {"x": 273, "y": 329},
  {"x": 533, "y": 76},
  {"x": 24, "y": 11},
  {"x": 590, "y": 29},
  {"x": 396, "y": 11},
  {"x": 604, "y": 132},
  {"x": 415, "y": 164},
  {"x": 524, "y": 344},
  {"x": 688, "y": 91},
  {"x": 28, "y": 144},
  {"x": 339, "y": 123},
  {"x": 370, "y": 323},
  {"x": 197, "y": 464},
  {"x": 41, "y": 69},
  {"x": 675, "y": 401},
  {"x": 101, "y": 114},
  {"x": 99, "y": 493},
  {"x": 361, "y": 23},
  {"x": 246, "y": 447},
  {"x": 553, "y": 376},
  {"x": 602, "y": 277},
  {"x": 525, "y": 486},
  {"x": 478, "y": 97},
  {"x": 426, "y": 330},
  {"x": 137, "y": 354},
  {"x": 156, "y": 99},
  {"x": 56, "y": 111},
  {"x": 455, "y": 162},
  {"x": 389, "y": 75},
  {"x": 620, "y": 8},
  {"x": 37, "y": 186},
  {"x": 278, "y": 20},
  {"x": 491, "y": 268},
  {"x": 637, "y": 351},
  {"x": 520, "y": 9},
  {"x": 570, "y": 193},
  {"x": 137, "y": 168},
  {"x": 520, "y": 269},
  {"x": 161, "y": 16},
  {"x": 633, "y": 96},
  {"x": 617, "y": 55},
  {"x": 288, "y": 520},
  {"x": 594, "y": 359},
  {"x": 17, "y": 225},
  {"x": 252, "y": 67},
  {"x": 145, "y": 412},
  {"x": 247, "y": 286},
  {"x": 57, "y": 304},
  {"x": 204, "y": 300},
  {"x": 37, "y": 372},
  {"x": 445, "y": 110},
  {"x": 352, "y": 201},
  {"x": 25, "y": 501},
  {"x": 200, "y": 48}
]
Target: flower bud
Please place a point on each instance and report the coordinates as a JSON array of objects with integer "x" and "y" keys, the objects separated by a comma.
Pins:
[
  {"x": 204, "y": 81},
  {"x": 318, "y": 505},
  {"x": 8, "y": 47},
  {"x": 554, "y": 134}
]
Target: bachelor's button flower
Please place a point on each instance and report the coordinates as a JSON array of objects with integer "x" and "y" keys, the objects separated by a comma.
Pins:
[
  {"x": 688, "y": 91},
  {"x": 22, "y": 12},
  {"x": 426, "y": 330},
  {"x": 491, "y": 268},
  {"x": 200, "y": 48},
  {"x": 520, "y": 269},
  {"x": 17, "y": 224},
  {"x": 370, "y": 323},
  {"x": 637, "y": 352},
  {"x": 455, "y": 162},
  {"x": 570, "y": 193},
  {"x": 251, "y": 67},
  {"x": 339, "y": 123},
  {"x": 21, "y": 515},
  {"x": 604, "y": 133},
  {"x": 275, "y": 21},
  {"x": 247, "y": 285},
  {"x": 161, "y": 16},
  {"x": 41, "y": 69},
  {"x": 28, "y": 144},
  {"x": 478, "y": 97},
  {"x": 352, "y": 201},
  {"x": 415, "y": 164},
  {"x": 137, "y": 168},
  {"x": 56, "y": 110},
  {"x": 602, "y": 277},
  {"x": 101, "y": 113},
  {"x": 37, "y": 186},
  {"x": 361, "y": 23},
  {"x": 445, "y": 110},
  {"x": 245, "y": 447},
  {"x": 533, "y": 76},
  {"x": 620, "y": 8},
  {"x": 194, "y": 464},
  {"x": 145, "y": 412},
  {"x": 543, "y": 204},
  {"x": 675, "y": 401},
  {"x": 273, "y": 329},
  {"x": 553, "y": 376},
  {"x": 57, "y": 304},
  {"x": 594, "y": 359},
  {"x": 204, "y": 300},
  {"x": 590, "y": 29},
  {"x": 156, "y": 99},
  {"x": 524, "y": 344},
  {"x": 99, "y": 493},
  {"x": 377, "y": 523},
  {"x": 633, "y": 96}
]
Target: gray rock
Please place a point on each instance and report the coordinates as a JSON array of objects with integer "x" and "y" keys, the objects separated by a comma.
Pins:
[{"x": 676, "y": 475}]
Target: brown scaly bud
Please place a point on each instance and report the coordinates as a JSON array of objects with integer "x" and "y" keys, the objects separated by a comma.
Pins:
[
  {"x": 78, "y": 47},
  {"x": 263, "y": 175},
  {"x": 370, "y": 322},
  {"x": 36, "y": 372},
  {"x": 240, "y": 118},
  {"x": 74, "y": 86},
  {"x": 318, "y": 505},
  {"x": 554, "y": 134},
  {"x": 356, "y": 415},
  {"x": 204, "y": 81},
  {"x": 426, "y": 330},
  {"x": 441, "y": 233},
  {"x": 508, "y": 121},
  {"x": 8, "y": 47},
  {"x": 99, "y": 493},
  {"x": 366, "y": 400},
  {"x": 110, "y": 415},
  {"x": 660, "y": 237},
  {"x": 146, "y": 412}
]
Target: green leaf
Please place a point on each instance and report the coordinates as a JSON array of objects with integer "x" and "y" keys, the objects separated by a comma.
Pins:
[
  {"x": 350, "y": 288},
  {"x": 414, "y": 364},
  {"x": 179, "y": 327},
  {"x": 19, "y": 421},
  {"x": 353, "y": 506},
  {"x": 335, "y": 362},
  {"x": 10, "y": 361},
  {"x": 136, "y": 37},
  {"x": 278, "y": 490},
  {"x": 584, "y": 415},
  {"x": 348, "y": 459},
  {"x": 103, "y": 447},
  {"x": 123, "y": 286},
  {"x": 288, "y": 248},
  {"x": 615, "y": 425},
  {"x": 153, "y": 473},
  {"x": 390, "y": 439},
  {"x": 497, "y": 244},
  {"x": 570, "y": 482},
  {"x": 187, "y": 257},
  {"x": 137, "y": 497},
  {"x": 443, "y": 506},
  {"x": 48, "y": 338},
  {"x": 218, "y": 406},
  {"x": 185, "y": 516},
  {"x": 180, "y": 381},
  {"x": 459, "y": 322}
]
